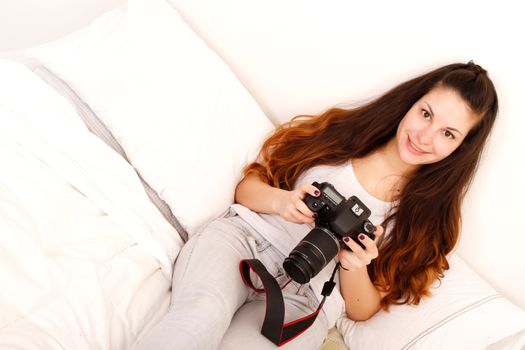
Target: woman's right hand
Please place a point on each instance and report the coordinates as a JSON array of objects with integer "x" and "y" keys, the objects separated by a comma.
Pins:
[{"x": 291, "y": 207}]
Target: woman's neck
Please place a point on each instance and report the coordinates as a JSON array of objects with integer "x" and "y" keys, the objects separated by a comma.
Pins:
[
  {"x": 388, "y": 155},
  {"x": 383, "y": 173}
]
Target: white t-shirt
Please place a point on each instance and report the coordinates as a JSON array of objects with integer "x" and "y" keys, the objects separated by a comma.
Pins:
[{"x": 285, "y": 235}]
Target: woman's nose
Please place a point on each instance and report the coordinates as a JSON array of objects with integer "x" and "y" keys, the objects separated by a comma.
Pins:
[{"x": 425, "y": 136}]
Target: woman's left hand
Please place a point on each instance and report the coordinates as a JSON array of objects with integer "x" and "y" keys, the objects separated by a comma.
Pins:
[{"x": 357, "y": 257}]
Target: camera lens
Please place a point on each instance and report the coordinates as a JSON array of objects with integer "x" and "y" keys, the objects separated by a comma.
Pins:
[{"x": 311, "y": 255}]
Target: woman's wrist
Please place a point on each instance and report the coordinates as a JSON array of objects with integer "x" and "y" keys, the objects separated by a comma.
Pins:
[{"x": 278, "y": 197}]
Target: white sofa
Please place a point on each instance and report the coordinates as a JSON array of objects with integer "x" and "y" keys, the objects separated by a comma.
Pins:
[{"x": 185, "y": 89}]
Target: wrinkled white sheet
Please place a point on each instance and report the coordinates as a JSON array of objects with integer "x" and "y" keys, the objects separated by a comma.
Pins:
[{"x": 85, "y": 257}]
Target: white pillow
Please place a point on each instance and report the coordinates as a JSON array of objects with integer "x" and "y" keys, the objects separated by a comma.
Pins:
[
  {"x": 464, "y": 312},
  {"x": 513, "y": 342},
  {"x": 184, "y": 120}
]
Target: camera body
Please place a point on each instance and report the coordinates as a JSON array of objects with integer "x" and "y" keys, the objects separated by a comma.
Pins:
[
  {"x": 342, "y": 217},
  {"x": 337, "y": 218}
]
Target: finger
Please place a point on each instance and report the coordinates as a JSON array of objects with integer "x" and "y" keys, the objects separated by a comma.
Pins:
[
  {"x": 378, "y": 232},
  {"x": 350, "y": 243},
  {"x": 359, "y": 258},
  {"x": 364, "y": 255},
  {"x": 299, "y": 218},
  {"x": 310, "y": 189},
  {"x": 370, "y": 245},
  {"x": 303, "y": 209},
  {"x": 314, "y": 191},
  {"x": 366, "y": 240}
]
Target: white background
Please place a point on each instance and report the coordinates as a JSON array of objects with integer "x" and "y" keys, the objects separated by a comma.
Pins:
[{"x": 304, "y": 56}]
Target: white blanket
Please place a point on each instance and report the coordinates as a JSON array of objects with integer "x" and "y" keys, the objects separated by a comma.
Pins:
[{"x": 85, "y": 257}]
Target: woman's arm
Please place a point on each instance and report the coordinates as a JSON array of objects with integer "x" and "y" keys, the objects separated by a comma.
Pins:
[
  {"x": 362, "y": 299},
  {"x": 257, "y": 195},
  {"x": 260, "y": 197}
]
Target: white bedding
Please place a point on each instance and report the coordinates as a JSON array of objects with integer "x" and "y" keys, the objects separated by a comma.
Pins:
[{"x": 85, "y": 257}]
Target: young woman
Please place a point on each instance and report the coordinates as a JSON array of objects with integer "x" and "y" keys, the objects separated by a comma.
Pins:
[{"x": 409, "y": 155}]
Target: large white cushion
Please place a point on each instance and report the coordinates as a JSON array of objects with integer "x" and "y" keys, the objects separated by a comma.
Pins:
[
  {"x": 183, "y": 119},
  {"x": 464, "y": 312}
]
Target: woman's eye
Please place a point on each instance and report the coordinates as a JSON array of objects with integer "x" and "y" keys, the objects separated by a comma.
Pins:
[
  {"x": 426, "y": 115},
  {"x": 449, "y": 135}
]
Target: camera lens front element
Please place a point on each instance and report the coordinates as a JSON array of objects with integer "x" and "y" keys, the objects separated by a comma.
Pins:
[{"x": 311, "y": 255}]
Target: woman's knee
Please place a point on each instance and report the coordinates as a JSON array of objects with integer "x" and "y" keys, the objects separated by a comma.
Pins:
[{"x": 207, "y": 275}]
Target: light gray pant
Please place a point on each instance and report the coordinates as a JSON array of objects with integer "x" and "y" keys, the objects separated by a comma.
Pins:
[{"x": 211, "y": 308}]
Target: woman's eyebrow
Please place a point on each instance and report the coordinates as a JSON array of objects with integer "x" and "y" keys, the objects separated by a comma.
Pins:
[{"x": 448, "y": 127}]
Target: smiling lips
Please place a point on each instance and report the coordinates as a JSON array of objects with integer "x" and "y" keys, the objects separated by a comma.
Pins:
[{"x": 414, "y": 149}]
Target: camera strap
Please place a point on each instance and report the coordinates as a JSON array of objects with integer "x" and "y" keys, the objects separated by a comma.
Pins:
[{"x": 273, "y": 326}]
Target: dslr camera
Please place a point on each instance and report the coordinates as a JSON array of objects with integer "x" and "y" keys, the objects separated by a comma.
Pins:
[{"x": 337, "y": 218}]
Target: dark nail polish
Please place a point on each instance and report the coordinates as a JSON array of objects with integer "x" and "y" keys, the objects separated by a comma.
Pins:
[
  {"x": 361, "y": 236},
  {"x": 346, "y": 239},
  {"x": 316, "y": 192}
]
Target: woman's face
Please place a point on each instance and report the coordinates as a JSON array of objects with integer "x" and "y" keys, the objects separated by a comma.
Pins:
[{"x": 434, "y": 127}]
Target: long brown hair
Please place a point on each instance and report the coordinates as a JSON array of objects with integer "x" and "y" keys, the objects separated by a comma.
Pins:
[{"x": 424, "y": 225}]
